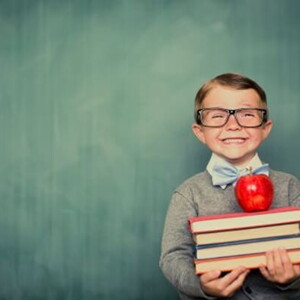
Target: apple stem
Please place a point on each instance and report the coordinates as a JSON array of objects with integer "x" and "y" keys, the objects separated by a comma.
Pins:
[{"x": 250, "y": 170}]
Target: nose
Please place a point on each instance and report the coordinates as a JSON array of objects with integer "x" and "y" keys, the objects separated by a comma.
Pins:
[{"x": 232, "y": 123}]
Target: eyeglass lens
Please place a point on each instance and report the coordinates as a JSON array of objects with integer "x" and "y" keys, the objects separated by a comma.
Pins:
[{"x": 219, "y": 117}]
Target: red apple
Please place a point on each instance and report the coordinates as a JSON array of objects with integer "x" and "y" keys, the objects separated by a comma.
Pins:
[{"x": 254, "y": 192}]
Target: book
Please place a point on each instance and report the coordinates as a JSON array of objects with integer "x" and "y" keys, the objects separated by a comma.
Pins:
[
  {"x": 250, "y": 261},
  {"x": 246, "y": 233},
  {"x": 260, "y": 245},
  {"x": 284, "y": 215}
]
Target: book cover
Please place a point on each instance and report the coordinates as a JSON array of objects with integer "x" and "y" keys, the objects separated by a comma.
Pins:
[{"x": 283, "y": 215}]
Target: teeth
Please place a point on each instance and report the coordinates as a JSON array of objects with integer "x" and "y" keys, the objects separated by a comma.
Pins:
[{"x": 236, "y": 141}]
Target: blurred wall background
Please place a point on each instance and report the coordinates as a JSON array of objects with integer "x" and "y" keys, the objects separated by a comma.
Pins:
[{"x": 96, "y": 110}]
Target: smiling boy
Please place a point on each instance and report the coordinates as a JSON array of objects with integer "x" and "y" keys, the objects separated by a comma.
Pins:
[
  {"x": 232, "y": 120},
  {"x": 230, "y": 141}
]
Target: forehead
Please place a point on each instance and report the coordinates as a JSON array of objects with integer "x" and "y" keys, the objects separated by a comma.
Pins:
[{"x": 226, "y": 97}]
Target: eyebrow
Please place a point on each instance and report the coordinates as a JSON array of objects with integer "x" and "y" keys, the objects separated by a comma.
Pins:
[
  {"x": 242, "y": 107},
  {"x": 247, "y": 105}
]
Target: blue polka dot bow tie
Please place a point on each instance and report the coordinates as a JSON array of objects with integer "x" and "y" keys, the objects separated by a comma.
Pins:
[{"x": 224, "y": 173}]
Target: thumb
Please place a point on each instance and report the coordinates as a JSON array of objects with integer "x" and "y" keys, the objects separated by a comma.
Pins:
[{"x": 209, "y": 276}]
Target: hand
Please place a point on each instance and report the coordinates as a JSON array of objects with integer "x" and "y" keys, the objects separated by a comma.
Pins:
[
  {"x": 214, "y": 285},
  {"x": 279, "y": 268}
]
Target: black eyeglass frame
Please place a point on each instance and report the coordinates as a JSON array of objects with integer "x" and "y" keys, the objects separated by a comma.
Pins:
[{"x": 232, "y": 112}]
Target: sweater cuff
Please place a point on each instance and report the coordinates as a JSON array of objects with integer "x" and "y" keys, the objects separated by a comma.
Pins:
[{"x": 290, "y": 286}]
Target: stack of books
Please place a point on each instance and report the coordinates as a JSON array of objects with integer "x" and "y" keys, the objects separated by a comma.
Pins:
[{"x": 227, "y": 241}]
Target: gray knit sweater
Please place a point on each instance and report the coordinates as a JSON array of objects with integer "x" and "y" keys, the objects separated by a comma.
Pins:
[{"x": 197, "y": 197}]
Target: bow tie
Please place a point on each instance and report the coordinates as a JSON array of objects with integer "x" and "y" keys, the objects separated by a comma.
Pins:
[{"x": 224, "y": 173}]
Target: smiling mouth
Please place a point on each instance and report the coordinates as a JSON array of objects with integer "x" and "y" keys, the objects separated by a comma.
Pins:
[{"x": 228, "y": 141}]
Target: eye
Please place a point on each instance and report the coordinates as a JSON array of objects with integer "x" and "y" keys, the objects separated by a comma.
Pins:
[
  {"x": 248, "y": 113},
  {"x": 217, "y": 114}
]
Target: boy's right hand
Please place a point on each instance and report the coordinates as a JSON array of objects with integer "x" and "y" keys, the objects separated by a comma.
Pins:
[{"x": 214, "y": 285}]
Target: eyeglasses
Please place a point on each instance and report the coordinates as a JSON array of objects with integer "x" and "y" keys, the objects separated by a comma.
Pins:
[{"x": 245, "y": 117}]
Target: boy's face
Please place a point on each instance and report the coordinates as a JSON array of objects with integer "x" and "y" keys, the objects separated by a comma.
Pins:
[{"x": 232, "y": 142}]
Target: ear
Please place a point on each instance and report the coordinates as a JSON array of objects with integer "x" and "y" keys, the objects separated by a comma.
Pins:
[
  {"x": 199, "y": 132},
  {"x": 267, "y": 127}
]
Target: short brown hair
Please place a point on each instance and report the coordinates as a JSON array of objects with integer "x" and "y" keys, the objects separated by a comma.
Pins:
[{"x": 232, "y": 80}]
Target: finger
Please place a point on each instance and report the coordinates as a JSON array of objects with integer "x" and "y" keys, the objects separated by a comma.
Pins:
[
  {"x": 285, "y": 258},
  {"x": 297, "y": 267},
  {"x": 233, "y": 275},
  {"x": 270, "y": 263},
  {"x": 292, "y": 270},
  {"x": 278, "y": 264},
  {"x": 279, "y": 267},
  {"x": 210, "y": 276},
  {"x": 286, "y": 262},
  {"x": 237, "y": 283},
  {"x": 264, "y": 271},
  {"x": 297, "y": 270}
]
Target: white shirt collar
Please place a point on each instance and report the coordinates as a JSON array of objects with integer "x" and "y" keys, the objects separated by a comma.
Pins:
[{"x": 254, "y": 163}]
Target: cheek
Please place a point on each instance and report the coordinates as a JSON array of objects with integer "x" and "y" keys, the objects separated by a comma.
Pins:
[
  {"x": 255, "y": 135},
  {"x": 211, "y": 136},
  {"x": 259, "y": 137}
]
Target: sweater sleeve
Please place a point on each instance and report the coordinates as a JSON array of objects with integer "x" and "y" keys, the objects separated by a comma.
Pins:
[
  {"x": 294, "y": 191},
  {"x": 177, "y": 253},
  {"x": 294, "y": 200}
]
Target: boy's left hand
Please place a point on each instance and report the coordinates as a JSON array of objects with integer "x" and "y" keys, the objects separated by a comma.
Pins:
[{"x": 279, "y": 268}]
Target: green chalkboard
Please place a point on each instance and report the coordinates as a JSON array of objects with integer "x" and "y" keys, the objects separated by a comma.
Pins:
[{"x": 95, "y": 119}]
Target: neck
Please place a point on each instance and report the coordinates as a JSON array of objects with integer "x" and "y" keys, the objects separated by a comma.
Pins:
[{"x": 253, "y": 160}]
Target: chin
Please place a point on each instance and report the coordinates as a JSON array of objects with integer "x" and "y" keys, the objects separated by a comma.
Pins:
[{"x": 237, "y": 159}]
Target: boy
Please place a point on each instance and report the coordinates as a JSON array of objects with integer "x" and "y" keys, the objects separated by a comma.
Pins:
[{"x": 232, "y": 120}]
